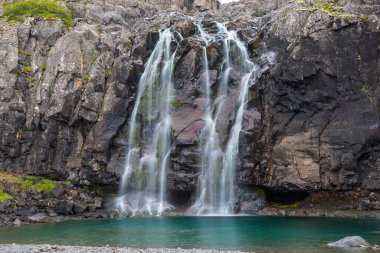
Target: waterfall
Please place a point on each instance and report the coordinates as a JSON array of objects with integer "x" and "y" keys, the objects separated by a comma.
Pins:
[
  {"x": 143, "y": 184},
  {"x": 216, "y": 184},
  {"x": 144, "y": 181}
]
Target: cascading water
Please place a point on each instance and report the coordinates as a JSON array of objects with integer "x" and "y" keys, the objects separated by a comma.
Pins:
[
  {"x": 143, "y": 185},
  {"x": 215, "y": 193}
]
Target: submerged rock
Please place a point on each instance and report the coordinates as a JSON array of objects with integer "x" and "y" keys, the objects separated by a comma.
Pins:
[{"x": 350, "y": 242}]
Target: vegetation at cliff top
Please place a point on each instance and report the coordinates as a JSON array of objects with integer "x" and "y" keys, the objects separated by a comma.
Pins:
[
  {"x": 27, "y": 183},
  {"x": 45, "y": 9},
  {"x": 333, "y": 10}
]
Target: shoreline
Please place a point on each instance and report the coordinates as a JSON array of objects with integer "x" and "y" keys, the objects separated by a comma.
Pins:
[
  {"x": 309, "y": 212},
  {"x": 47, "y": 248},
  {"x": 16, "y": 221}
]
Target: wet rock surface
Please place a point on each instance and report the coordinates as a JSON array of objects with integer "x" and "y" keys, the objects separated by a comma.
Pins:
[
  {"x": 312, "y": 121},
  {"x": 350, "y": 242}
]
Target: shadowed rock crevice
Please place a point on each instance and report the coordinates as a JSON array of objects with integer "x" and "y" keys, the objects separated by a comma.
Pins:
[{"x": 285, "y": 198}]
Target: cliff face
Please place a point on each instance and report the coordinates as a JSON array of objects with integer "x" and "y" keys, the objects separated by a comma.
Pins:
[
  {"x": 320, "y": 123},
  {"x": 312, "y": 121},
  {"x": 321, "y": 103},
  {"x": 185, "y": 5}
]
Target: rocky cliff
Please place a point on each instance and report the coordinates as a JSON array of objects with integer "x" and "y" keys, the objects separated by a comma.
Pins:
[{"x": 312, "y": 121}]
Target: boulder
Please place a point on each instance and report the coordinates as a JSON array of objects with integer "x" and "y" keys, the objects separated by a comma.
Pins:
[
  {"x": 17, "y": 223},
  {"x": 38, "y": 217},
  {"x": 63, "y": 207},
  {"x": 205, "y": 5},
  {"x": 59, "y": 190},
  {"x": 374, "y": 197},
  {"x": 79, "y": 207},
  {"x": 252, "y": 207},
  {"x": 98, "y": 202},
  {"x": 350, "y": 242},
  {"x": 5, "y": 206},
  {"x": 51, "y": 213},
  {"x": 249, "y": 202}
]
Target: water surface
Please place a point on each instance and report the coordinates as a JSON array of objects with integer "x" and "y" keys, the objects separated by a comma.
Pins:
[{"x": 259, "y": 234}]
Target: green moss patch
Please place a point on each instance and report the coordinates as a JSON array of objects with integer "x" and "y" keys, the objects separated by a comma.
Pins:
[
  {"x": 45, "y": 9},
  {"x": 4, "y": 196},
  {"x": 287, "y": 206},
  {"x": 333, "y": 10},
  {"x": 40, "y": 184}
]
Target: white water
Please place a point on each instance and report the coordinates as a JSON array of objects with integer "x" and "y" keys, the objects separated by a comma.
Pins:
[
  {"x": 143, "y": 185},
  {"x": 216, "y": 185}
]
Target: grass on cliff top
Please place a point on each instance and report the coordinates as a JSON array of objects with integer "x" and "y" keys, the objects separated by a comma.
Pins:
[
  {"x": 45, "y": 9},
  {"x": 333, "y": 10}
]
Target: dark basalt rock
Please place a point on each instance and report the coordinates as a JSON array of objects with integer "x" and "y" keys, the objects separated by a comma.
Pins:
[
  {"x": 63, "y": 207},
  {"x": 59, "y": 190},
  {"x": 79, "y": 207},
  {"x": 322, "y": 118},
  {"x": 249, "y": 202}
]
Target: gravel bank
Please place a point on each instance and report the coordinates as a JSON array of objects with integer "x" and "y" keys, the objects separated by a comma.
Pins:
[{"x": 16, "y": 248}]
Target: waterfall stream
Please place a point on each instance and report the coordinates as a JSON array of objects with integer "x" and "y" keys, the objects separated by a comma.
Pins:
[
  {"x": 216, "y": 186},
  {"x": 144, "y": 182},
  {"x": 143, "y": 185}
]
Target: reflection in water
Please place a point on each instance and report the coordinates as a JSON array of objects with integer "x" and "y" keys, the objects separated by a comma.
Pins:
[
  {"x": 207, "y": 230},
  {"x": 259, "y": 234}
]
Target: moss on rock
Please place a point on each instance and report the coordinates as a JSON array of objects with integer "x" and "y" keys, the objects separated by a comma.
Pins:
[
  {"x": 40, "y": 184},
  {"x": 4, "y": 196},
  {"x": 333, "y": 10},
  {"x": 27, "y": 183},
  {"x": 290, "y": 205},
  {"x": 45, "y": 9}
]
